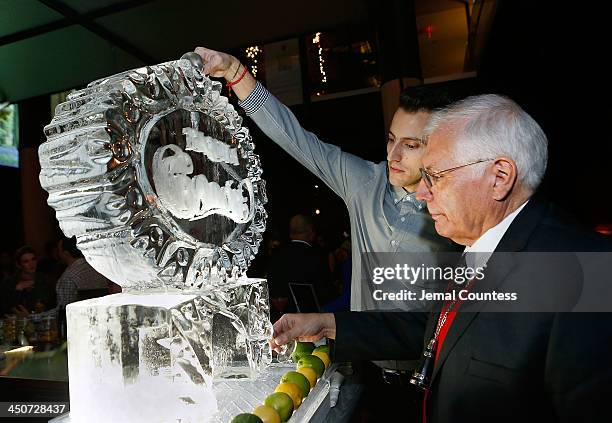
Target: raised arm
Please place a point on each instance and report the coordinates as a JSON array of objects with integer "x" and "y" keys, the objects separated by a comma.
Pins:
[{"x": 344, "y": 173}]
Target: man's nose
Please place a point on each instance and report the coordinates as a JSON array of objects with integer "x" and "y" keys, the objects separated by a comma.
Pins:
[
  {"x": 394, "y": 154},
  {"x": 423, "y": 193}
]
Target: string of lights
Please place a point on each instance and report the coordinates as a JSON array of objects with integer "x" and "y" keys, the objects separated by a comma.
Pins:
[
  {"x": 252, "y": 53},
  {"x": 317, "y": 40}
]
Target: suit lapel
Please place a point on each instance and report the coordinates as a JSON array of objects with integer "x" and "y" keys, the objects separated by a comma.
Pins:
[
  {"x": 498, "y": 267},
  {"x": 496, "y": 272}
]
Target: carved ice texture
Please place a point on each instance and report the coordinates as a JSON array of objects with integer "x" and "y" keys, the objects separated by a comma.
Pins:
[
  {"x": 154, "y": 174},
  {"x": 153, "y": 357}
]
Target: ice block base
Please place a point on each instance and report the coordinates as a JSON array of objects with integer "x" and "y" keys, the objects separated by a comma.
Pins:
[
  {"x": 153, "y": 357},
  {"x": 242, "y": 396}
]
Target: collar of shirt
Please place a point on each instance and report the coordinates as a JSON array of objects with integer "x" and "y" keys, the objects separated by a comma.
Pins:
[
  {"x": 303, "y": 242},
  {"x": 478, "y": 253},
  {"x": 400, "y": 195}
]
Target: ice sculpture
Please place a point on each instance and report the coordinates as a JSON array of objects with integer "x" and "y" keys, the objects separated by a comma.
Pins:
[{"x": 154, "y": 174}]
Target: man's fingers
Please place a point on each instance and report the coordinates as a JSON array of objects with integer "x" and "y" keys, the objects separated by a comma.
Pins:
[
  {"x": 297, "y": 326},
  {"x": 280, "y": 325},
  {"x": 216, "y": 64},
  {"x": 204, "y": 52},
  {"x": 311, "y": 338},
  {"x": 213, "y": 67},
  {"x": 209, "y": 65},
  {"x": 208, "y": 57},
  {"x": 285, "y": 337},
  {"x": 285, "y": 329},
  {"x": 281, "y": 338},
  {"x": 274, "y": 346}
]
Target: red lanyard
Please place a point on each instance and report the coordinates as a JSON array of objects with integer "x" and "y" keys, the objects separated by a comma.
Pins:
[{"x": 445, "y": 320}]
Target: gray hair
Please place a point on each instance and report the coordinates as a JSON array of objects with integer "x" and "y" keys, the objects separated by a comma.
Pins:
[{"x": 495, "y": 126}]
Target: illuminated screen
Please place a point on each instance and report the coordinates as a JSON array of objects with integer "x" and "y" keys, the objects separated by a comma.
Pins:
[{"x": 9, "y": 135}]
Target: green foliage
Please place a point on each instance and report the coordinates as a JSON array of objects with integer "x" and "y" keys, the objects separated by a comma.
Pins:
[
  {"x": 5, "y": 113},
  {"x": 8, "y": 135}
]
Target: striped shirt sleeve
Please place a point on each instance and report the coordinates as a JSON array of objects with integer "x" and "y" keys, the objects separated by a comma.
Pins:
[{"x": 255, "y": 100}]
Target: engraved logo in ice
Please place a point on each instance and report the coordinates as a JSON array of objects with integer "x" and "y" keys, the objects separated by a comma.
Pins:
[
  {"x": 196, "y": 197},
  {"x": 215, "y": 150}
]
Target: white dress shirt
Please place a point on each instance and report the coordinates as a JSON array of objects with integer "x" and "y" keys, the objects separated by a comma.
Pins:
[{"x": 487, "y": 243}]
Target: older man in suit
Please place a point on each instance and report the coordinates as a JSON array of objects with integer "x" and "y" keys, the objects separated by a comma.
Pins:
[{"x": 484, "y": 162}]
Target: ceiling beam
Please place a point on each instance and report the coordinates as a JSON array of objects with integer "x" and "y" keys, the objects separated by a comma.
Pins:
[
  {"x": 99, "y": 30},
  {"x": 65, "y": 22},
  {"x": 71, "y": 17}
]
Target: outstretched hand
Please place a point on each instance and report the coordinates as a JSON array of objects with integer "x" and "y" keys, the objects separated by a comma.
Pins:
[
  {"x": 305, "y": 327},
  {"x": 223, "y": 65},
  {"x": 216, "y": 63}
]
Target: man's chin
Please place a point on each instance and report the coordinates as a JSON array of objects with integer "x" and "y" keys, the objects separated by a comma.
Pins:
[
  {"x": 441, "y": 229},
  {"x": 398, "y": 182}
]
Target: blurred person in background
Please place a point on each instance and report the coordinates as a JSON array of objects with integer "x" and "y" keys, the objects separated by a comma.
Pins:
[
  {"x": 28, "y": 290},
  {"x": 299, "y": 261},
  {"x": 271, "y": 242},
  {"x": 342, "y": 270},
  {"x": 78, "y": 276},
  {"x": 50, "y": 264},
  {"x": 6, "y": 272}
]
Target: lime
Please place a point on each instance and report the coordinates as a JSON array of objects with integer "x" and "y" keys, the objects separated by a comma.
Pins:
[
  {"x": 246, "y": 418},
  {"x": 298, "y": 379},
  {"x": 310, "y": 374},
  {"x": 324, "y": 348},
  {"x": 267, "y": 414},
  {"x": 293, "y": 391},
  {"x": 313, "y": 362},
  {"x": 282, "y": 403},
  {"x": 301, "y": 348},
  {"x": 323, "y": 356}
]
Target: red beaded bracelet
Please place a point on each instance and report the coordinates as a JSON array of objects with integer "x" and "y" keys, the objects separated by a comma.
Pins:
[{"x": 229, "y": 85}]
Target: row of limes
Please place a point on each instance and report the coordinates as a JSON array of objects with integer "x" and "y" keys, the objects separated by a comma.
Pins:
[{"x": 293, "y": 387}]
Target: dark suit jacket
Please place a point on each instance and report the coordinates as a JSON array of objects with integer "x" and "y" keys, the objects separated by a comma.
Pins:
[
  {"x": 297, "y": 262},
  {"x": 504, "y": 367}
]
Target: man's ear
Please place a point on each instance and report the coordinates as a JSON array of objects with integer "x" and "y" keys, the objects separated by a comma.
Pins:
[{"x": 504, "y": 170}]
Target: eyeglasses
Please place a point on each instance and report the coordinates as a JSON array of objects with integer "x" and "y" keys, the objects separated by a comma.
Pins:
[{"x": 431, "y": 178}]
